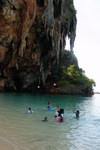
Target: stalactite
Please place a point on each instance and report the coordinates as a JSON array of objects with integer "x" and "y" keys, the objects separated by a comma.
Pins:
[
  {"x": 45, "y": 24},
  {"x": 72, "y": 33},
  {"x": 49, "y": 15},
  {"x": 42, "y": 74}
]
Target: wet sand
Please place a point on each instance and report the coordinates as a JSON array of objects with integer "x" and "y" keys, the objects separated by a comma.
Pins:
[{"x": 6, "y": 145}]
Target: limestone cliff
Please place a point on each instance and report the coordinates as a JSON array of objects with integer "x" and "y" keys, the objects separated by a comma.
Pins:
[{"x": 32, "y": 39}]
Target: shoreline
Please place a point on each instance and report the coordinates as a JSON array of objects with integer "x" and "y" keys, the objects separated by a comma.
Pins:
[{"x": 58, "y": 91}]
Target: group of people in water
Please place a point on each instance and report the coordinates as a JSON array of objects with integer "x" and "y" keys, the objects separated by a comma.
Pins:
[{"x": 59, "y": 113}]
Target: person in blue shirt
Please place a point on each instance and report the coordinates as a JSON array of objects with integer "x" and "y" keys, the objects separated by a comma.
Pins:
[{"x": 49, "y": 107}]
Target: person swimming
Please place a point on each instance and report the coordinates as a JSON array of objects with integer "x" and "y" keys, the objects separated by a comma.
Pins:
[
  {"x": 77, "y": 113},
  {"x": 45, "y": 119},
  {"x": 30, "y": 111},
  {"x": 61, "y": 112},
  {"x": 59, "y": 118},
  {"x": 49, "y": 107},
  {"x": 57, "y": 110}
]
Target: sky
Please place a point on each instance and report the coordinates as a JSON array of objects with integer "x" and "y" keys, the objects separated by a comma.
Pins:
[{"x": 87, "y": 42}]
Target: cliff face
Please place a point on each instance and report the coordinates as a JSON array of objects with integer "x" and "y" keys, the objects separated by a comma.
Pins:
[{"x": 32, "y": 38}]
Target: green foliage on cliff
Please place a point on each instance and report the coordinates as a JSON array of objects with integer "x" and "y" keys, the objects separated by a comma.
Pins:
[
  {"x": 77, "y": 76},
  {"x": 72, "y": 76},
  {"x": 69, "y": 75}
]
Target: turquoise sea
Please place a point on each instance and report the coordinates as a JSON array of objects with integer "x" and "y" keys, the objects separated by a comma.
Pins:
[{"x": 28, "y": 132}]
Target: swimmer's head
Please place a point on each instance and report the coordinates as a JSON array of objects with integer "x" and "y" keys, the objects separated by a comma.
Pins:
[
  {"x": 45, "y": 118},
  {"x": 55, "y": 116}
]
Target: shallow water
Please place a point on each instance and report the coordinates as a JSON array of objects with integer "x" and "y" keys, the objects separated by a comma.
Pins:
[{"x": 25, "y": 131}]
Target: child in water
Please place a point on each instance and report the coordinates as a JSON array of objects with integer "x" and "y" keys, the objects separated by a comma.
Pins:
[
  {"x": 77, "y": 113},
  {"x": 45, "y": 119},
  {"x": 49, "y": 107},
  {"x": 60, "y": 115},
  {"x": 59, "y": 118},
  {"x": 57, "y": 110}
]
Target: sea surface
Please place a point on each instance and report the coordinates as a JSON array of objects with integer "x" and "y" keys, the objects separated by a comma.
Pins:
[{"x": 25, "y": 131}]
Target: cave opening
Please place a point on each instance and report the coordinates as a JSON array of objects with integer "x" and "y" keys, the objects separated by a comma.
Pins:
[{"x": 40, "y": 3}]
